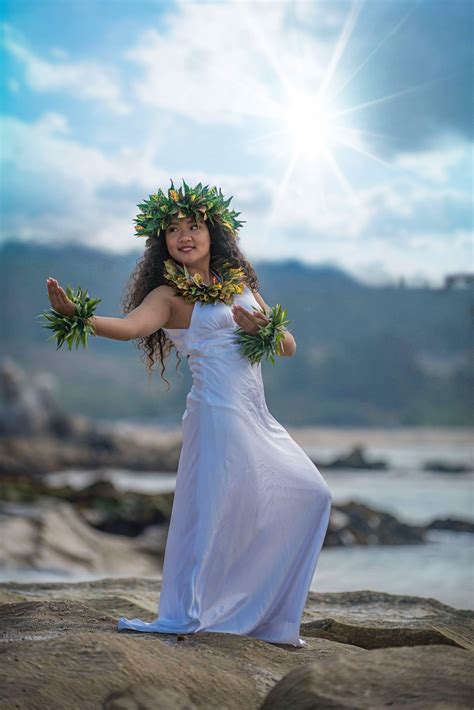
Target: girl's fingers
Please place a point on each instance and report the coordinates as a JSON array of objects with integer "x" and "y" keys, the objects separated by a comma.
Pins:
[
  {"x": 62, "y": 295},
  {"x": 243, "y": 311},
  {"x": 259, "y": 317},
  {"x": 55, "y": 294},
  {"x": 248, "y": 321},
  {"x": 244, "y": 317}
]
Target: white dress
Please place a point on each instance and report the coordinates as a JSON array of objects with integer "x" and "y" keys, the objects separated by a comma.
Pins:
[{"x": 250, "y": 508}]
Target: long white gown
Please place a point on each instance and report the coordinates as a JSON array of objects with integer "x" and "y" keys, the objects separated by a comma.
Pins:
[{"x": 250, "y": 509}]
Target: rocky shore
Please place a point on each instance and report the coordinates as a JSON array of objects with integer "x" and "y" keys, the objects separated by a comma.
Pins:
[
  {"x": 60, "y": 646},
  {"x": 100, "y": 529},
  {"x": 365, "y": 649}
]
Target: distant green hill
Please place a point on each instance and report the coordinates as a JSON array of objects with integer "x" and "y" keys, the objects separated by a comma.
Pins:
[{"x": 366, "y": 356}]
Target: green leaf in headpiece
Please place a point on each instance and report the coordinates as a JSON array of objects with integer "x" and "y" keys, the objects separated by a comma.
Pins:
[{"x": 199, "y": 202}]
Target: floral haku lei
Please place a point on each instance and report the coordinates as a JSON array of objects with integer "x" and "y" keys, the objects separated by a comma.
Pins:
[
  {"x": 201, "y": 203},
  {"x": 72, "y": 329},
  {"x": 223, "y": 287},
  {"x": 266, "y": 342}
]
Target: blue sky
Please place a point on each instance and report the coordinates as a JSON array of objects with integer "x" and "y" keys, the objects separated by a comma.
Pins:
[{"x": 342, "y": 129}]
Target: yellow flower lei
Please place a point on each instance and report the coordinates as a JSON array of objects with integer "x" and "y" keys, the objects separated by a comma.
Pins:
[{"x": 226, "y": 281}]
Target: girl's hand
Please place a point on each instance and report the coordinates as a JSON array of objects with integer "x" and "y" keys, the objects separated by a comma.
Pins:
[
  {"x": 58, "y": 299},
  {"x": 250, "y": 322}
]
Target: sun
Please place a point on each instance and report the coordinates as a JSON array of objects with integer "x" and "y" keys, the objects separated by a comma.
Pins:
[{"x": 308, "y": 125}]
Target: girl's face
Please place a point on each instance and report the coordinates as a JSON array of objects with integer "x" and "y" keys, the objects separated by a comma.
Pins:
[{"x": 183, "y": 233}]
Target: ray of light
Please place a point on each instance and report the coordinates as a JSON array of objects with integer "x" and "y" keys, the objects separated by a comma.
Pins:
[
  {"x": 409, "y": 90},
  {"x": 376, "y": 134},
  {"x": 376, "y": 49},
  {"x": 330, "y": 159},
  {"x": 265, "y": 48},
  {"x": 364, "y": 152},
  {"x": 341, "y": 45},
  {"x": 281, "y": 190}
]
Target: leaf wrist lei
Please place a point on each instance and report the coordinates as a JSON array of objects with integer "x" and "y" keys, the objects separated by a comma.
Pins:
[
  {"x": 266, "y": 342},
  {"x": 72, "y": 329}
]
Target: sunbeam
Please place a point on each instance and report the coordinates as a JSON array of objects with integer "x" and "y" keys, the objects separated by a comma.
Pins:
[
  {"x": 409, "y": 90},
  {"x": 340, "y": 48},
  {"x": 375, "y": 50}
]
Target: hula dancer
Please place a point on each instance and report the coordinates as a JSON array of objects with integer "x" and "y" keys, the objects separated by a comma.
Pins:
[{"x": 250, "y": 508}]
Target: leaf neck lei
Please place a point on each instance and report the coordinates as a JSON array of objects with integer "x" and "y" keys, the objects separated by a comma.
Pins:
[{"x": 226, "y": 281}]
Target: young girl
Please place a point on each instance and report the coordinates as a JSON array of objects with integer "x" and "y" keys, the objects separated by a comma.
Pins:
[{"x": 250, "y": 508}]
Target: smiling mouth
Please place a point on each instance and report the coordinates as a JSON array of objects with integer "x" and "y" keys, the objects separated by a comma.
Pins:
[{"x": 185, "y": 249}]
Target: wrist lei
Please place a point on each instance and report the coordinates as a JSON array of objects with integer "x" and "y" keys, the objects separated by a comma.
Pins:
[
  {"x": 72, "y": 329},
  {"x": 266, "y": 342}
]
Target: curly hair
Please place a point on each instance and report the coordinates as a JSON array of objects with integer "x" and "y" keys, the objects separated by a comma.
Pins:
[{"x": 148, "y": 274}]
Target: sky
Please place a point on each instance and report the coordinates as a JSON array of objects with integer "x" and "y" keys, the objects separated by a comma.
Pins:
[{"x": 343, "y": 130}]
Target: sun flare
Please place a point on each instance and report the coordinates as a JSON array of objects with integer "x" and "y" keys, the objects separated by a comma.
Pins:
[
  {"x": 308, "y": 124},
  {"x": 308, "y": 129}
]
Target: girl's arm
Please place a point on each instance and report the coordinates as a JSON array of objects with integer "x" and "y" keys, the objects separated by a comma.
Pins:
[
  {"x": 288, "y": 344},
  {"x": 153, "y": 312}
]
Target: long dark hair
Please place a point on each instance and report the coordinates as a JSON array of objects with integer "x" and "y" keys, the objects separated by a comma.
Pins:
[{"x": 148, "y": 274}]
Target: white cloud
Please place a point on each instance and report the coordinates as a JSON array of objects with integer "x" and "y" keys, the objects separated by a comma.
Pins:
[
  {"x": 434, "y": 165},
  {"x": 70, "y": 192},
  {"x": 73, "y": 193},
  {"x": 86, "y": 80},
  {"x": 220, "y": 63},
  {"x": 58, "y": 181}
]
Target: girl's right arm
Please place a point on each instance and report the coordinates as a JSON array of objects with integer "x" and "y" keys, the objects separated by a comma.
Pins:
[{"x": 152, "y": 313}]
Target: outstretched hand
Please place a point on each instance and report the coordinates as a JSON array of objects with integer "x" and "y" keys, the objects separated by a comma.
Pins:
[
  {"x": 248, "y": 321},
  {"x": 59, "y": 300}
]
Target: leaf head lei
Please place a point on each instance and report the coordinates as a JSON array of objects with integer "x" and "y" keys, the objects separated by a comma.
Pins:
[{"x": 200, "y": 202}]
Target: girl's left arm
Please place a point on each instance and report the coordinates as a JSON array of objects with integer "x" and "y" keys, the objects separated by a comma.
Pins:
[{"x": 288, "y": 344}]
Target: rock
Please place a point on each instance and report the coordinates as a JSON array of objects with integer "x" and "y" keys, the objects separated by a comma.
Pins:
[
  {"x": 57, "y": 539},
  {"x": 103, "y": 505},
  {"x": 37, "y": 436},
  {"x": 24, "y": 406},
  {"x": 354, "y": 459},
  {"x": 354, "y": 523},
  {"x": 31, "y": 406},
  {"x": 57, "y": 635},
  {"x": 130, "y": 513},
  {"x": 377, "y": 620},
  {"x": 141, "y": 697},
  {"x": 452, "y": 524},
  {"x": 38, "y": 455},
  {"x": 446, "y": 467},
  {"x": 420, "y": 677}
]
